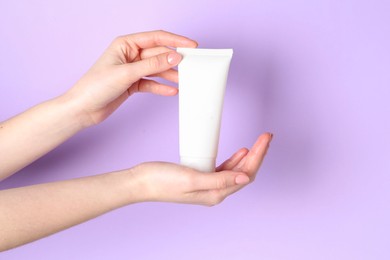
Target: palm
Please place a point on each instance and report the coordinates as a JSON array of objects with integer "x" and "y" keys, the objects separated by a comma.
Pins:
[{"x": 175, "y": 183}]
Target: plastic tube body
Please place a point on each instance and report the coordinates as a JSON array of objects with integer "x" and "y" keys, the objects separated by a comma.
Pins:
[{"x": 202, "y": 81}]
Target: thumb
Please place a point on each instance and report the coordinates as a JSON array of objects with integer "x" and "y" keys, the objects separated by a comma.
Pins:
[
  {"x": 221, "y": 180},
  {"x": 153, "y": 65}
]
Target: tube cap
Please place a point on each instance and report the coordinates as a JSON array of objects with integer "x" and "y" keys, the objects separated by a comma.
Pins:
[{"x": 199, "y": 163}]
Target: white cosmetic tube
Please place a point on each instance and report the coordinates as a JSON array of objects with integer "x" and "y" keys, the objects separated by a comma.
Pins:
[{"x": 202, "y": 81}]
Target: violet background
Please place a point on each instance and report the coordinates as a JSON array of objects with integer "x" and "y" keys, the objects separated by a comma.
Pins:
[{"x": 315, "y": 73}]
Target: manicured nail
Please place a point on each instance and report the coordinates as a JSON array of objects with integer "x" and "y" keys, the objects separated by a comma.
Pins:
[
  {"x": 174, "y": 58},
  {"x": 242, "y": 179},
  {"x": 173, "y": 91}
]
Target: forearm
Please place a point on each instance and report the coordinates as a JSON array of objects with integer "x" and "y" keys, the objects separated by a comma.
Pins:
[
  {"x": 29, "y": 135},
  {"x": 33, "y": 212}
]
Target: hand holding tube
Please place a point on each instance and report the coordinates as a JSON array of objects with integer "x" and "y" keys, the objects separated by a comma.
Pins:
[
  {"x": 120, "y": 72},
  {"x": 174, "y": 183}
]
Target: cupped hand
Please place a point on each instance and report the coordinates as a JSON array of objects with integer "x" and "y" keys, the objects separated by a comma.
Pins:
[
  {"x": 170, "y": 182},
  {"x": 122, "y": 69}
]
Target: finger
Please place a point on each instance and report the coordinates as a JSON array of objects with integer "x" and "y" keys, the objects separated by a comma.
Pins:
[
  {"x": 150, "y": 52},
  {"x": 252, "y": 161},
  {"x": 170, "y": 75},
  {"x": 153, "y": 65},
  {"x": 232, "y": 162},
  {"x": 151, "y": 86},
  {"x": 158, "y": 38},
  {"x": 220, "y": 180},
  {"x": 216, "y": 196}
]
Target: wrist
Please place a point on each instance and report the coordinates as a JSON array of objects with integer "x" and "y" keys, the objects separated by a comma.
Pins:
[
  {"x": 131, "y": 186},
  {"x": 75, "y": 110}
]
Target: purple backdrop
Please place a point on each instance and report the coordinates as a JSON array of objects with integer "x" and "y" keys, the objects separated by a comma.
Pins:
[{"x": 315, "y": 73}]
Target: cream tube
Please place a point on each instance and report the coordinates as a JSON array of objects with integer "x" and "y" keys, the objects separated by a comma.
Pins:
[{"x": 202, "y": 81}]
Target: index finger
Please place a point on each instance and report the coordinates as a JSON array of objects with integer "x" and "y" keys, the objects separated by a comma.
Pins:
[{"x": 159, "y": 38}]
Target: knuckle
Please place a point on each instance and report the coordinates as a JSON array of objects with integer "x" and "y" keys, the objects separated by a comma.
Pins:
[
  {"x": 157, "y": 36},
  {"x": 155, "y": 63},
  {"x": 120, "y": 43},
  {"x": 216, "y": 199},
  {"x": 221, "y": 183},
  {"x": 118, "y": 40}
]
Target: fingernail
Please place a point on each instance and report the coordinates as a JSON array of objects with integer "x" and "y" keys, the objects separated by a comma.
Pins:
[
  {"x": 173, "y": 91},
  {"x": 242, "y": 179},
  {"x": 271, "y": 135},
  {"x": 174, "y": 58}
]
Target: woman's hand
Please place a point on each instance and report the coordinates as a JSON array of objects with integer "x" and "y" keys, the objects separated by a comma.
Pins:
[
  {"x": 120, "y": 72},
  {"x": 159, "y": 181},
  {"x": 33, "y": 212}
]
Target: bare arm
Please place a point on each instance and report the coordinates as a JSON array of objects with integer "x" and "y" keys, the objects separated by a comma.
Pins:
[
  {"x": 32, "y": 212},
  {"x": 30, "y": 135}
]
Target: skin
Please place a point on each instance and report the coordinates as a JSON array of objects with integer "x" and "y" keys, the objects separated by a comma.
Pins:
[{"x": 33, "y": 212}]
